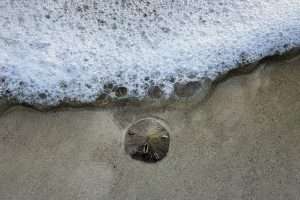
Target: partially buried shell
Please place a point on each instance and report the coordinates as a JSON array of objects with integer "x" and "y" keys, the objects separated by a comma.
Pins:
[{"x": 147, "y": 140}]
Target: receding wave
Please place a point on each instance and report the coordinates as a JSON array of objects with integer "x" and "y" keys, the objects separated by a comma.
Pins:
[{"x": 54, "y": 51}]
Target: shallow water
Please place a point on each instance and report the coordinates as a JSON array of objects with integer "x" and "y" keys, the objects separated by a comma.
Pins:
[
  {"x": 241, "y": 143},
  {"x": 63, "y": 51}
]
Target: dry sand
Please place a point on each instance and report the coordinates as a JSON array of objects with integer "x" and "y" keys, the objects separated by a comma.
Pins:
[{"x": 243, "y": 142}]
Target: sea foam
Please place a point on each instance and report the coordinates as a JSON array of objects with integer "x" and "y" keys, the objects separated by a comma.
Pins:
[{"x": 54, "y": 51}]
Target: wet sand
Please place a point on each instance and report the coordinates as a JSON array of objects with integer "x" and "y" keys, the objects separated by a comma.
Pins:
[{"x": 242, "y": 142}]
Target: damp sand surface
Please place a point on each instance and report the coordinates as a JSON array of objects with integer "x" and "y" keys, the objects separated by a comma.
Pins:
[{"x": 242, "y": 142}]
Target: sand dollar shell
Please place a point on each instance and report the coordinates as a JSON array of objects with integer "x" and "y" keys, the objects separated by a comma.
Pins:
[{"x": 147, "y": 140}]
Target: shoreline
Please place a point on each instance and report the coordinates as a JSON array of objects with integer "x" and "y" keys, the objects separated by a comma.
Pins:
[
  {"x": 197, "y": 91},
  {"x": 241, "y": 142}
]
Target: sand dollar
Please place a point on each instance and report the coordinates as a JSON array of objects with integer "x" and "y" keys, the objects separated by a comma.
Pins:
[{"x": 147, "y": 140}]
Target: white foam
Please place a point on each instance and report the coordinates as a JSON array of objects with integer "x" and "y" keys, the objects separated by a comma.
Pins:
[{"x": 70, "y": 49}]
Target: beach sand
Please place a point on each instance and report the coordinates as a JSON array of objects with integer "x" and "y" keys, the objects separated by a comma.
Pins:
[{"x": 241, "y": 142}]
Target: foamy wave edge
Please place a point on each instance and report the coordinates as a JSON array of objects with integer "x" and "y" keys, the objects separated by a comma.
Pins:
[{"x": 99, "y": 52}]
